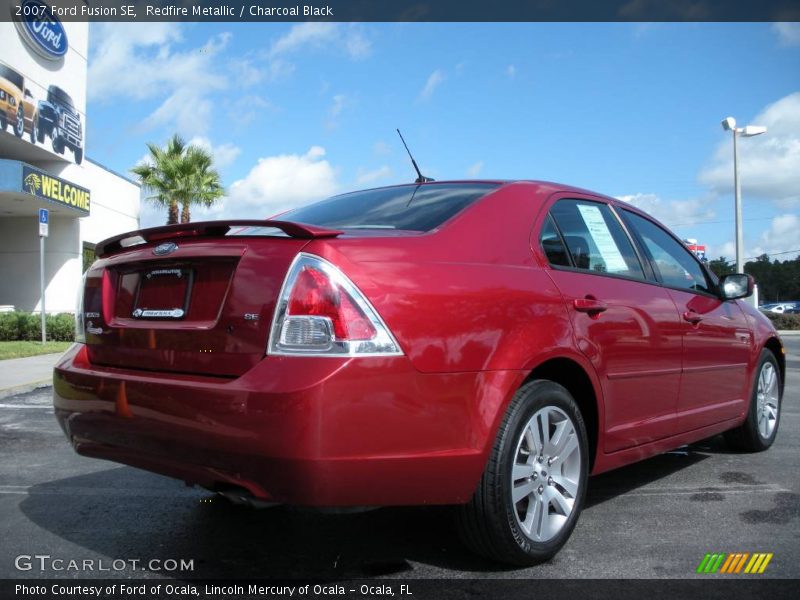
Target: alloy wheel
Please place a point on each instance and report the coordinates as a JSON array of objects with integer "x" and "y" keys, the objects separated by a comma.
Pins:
[
  {"x": 767, "y": 400},
  {"x": 546, "y": 474}
]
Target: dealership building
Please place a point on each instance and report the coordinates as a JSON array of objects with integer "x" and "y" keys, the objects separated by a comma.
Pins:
[{"x": 44, "y": 165}]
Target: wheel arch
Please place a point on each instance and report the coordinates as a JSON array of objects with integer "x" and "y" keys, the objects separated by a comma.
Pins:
[
  {"x": 774, "y": 345},
  {"x": 583, "y": 388}
]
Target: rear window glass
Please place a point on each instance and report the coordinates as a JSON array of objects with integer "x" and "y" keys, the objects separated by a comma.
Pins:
[
  {"x": 11, "y": 75},
  {"x": 59, "y": 96},
  {"x": 410, "y": 208}
]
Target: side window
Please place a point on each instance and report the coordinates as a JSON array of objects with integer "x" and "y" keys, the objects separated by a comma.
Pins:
[
  {"x": 673, "y": 262},
  {"x": 552, "y": 245},
  {"x": 595, "y": 239}
]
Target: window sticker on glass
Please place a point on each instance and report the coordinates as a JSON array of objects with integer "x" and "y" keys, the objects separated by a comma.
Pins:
[{"x": 602, "y": 238}]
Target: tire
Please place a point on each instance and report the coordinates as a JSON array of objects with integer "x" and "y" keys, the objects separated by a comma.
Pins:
[
  {"x": 760, "y": 429},
  {"x": 39, "y": 132},
  {"x": 35, "y": 135},
  {"x": 492, "y": 524},
  {"x": 78, "y": 153},
  {"x": 58, "y": 144},
  {"x": 19, "y": 124}
]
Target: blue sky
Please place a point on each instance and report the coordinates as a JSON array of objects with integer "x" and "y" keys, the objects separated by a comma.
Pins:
[{"x": 296, "y": 112}]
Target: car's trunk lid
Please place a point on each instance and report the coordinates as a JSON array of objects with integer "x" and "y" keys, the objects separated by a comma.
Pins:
[{"x": 189, "y": 299}]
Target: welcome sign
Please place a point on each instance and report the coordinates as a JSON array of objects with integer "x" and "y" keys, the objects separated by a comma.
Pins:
[{"x": 42, "y": 185}]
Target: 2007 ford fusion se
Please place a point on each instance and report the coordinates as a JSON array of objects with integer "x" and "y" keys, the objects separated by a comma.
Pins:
[{"x": 484, "y": 344}]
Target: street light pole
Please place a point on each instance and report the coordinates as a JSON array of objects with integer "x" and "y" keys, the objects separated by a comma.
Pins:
[
  {"x": 729, "y": 124},
  {"x": 737, "y": 192}
]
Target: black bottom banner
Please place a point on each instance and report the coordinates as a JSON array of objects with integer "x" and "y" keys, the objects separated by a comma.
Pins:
[{"x": 411, "y": 589}]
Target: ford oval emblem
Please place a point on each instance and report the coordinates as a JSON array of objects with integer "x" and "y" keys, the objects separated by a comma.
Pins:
[
  {"x": 42, "y": 30},
  {"x": 165, "y": 248}
]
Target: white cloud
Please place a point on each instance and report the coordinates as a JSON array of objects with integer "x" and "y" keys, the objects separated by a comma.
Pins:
[
  {"x": 364, "y": 176},
  {"x": 474, "y": 170},
  {"x": 276, "y": 184},
  {"x": 141, "y": 63},
  {"x": 788, "y": 33},
  {"x": 339, "y": 103},
  {"x": 511, "y": 71},
  {"x": 783, "y": 235},
  {"x": 245, "y": 109},
  {"x": 381, "y": 148},
  {"x": 433, "y": 81},
  {"x": 726, "y": 250},
  {"x": 348, "y": 39},
  {"x": 673, "y": 213},
  {"x": 224, "y": 154},
  {"x": 769, "y": 164},
  {"x": 146, "y": 63}
]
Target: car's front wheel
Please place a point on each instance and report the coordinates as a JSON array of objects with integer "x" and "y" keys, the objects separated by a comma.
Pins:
[
  {"x": 759, "y": 430},
  {"x": 532, "y": 491},
  {"x": 58, "y": 144},
  {"x": 19, "y": 124}
]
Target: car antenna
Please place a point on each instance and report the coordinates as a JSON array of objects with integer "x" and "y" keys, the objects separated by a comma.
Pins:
[{"x": 421, "y": 178}]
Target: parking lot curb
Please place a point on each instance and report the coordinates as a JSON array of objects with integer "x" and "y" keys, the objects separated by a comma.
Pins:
[
  {"x": 788, "y": 333},
  {"x": 24, "y": 388}
]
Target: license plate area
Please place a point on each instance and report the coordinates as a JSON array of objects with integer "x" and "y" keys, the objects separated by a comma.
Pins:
[{"x": 163, "y": 293}]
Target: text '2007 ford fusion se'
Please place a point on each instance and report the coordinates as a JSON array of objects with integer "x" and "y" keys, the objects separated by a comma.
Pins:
[{"x": 486, "y": 344}]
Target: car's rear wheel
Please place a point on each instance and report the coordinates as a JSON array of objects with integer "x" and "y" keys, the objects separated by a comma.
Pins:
[
  {"x": 532, "y": 491},
  {"x": 759, "y": 430}
]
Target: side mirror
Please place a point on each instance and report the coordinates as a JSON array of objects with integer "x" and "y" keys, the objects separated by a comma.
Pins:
[{"x": 737, "y": 285}]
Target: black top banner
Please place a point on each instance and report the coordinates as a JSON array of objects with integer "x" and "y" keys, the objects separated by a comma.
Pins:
[{"x": 401, "y": 10}]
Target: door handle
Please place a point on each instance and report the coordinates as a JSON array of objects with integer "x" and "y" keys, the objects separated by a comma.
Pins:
[
  {"x": 692, "y": 316},
  {"x": 589, "y": 305}
]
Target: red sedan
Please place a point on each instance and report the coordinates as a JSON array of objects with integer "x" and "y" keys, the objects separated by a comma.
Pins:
[{"x": 485, "y": 344}]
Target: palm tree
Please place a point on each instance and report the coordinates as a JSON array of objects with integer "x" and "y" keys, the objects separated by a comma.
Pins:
[
  {"x": 179, "y": 175},
  {"x": 203, "y": 182}
]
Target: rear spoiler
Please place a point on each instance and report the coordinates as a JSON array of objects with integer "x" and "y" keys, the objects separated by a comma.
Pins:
[{"x": 206, "y": 229}]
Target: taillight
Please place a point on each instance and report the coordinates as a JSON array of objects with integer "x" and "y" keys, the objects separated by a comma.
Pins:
[{"x": 321, "y": 312}]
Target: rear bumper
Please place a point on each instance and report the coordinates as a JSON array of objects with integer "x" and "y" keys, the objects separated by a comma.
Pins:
[{"x": 304, "y": 431}]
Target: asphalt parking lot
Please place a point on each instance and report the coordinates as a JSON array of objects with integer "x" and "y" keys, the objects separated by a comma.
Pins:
[{"x": 654, "y": 519}]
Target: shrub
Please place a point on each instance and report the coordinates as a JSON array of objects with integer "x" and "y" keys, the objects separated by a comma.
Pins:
[
  {"x": 60, "y": 327},
  {"x": 9, "y": 326},
  {"x": 784, "y": 322},
  {"x": 22, "y": 326}
]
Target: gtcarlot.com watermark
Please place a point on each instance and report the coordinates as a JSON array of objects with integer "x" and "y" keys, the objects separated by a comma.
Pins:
[{"x": 47, "y": 563}]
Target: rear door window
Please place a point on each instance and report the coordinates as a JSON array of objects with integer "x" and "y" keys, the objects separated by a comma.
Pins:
[
  {"x": 406, "y": 207},
  {"x": 595, "y": 239}
]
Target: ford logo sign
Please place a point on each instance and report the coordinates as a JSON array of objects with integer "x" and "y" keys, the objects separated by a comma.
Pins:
[
  {"x": 164, "y": 249},
  {"x": 42, "y": 30}
]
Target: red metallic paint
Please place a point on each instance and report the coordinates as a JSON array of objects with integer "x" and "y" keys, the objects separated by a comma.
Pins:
[{"x": 475, "y": 308}]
